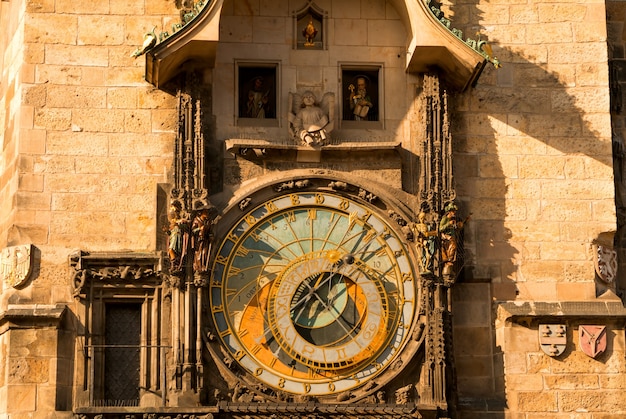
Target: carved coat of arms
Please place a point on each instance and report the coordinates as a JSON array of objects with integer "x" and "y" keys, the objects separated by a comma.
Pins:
[
  {"x": 15, "y": 264},
  {"x": 553, "y": 338},
  {"x": 592, "y": 339}
]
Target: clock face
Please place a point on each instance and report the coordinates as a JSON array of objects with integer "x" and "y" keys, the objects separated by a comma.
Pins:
[{"x": 313, "y": 293}]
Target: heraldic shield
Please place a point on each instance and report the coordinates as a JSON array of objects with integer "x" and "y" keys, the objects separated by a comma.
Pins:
[
  {"x": 592, "y": 339},
  {"x": 553, "y": 338},
  {"x": 15, "y": 264}
]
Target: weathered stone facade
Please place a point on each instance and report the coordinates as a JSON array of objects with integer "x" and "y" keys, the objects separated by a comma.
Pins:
[{"x": 92, "y": 143}]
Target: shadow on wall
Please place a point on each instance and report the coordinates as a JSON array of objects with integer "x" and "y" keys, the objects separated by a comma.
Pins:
[{"x": 525, "y": 152}]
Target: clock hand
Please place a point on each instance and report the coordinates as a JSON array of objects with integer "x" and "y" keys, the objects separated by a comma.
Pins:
[{"x": 349, "y": 332}]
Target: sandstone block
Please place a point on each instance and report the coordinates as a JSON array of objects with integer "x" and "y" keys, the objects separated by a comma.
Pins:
[
  {"x": 97, "y": 165},
  {"x": 84, "y": 8},
  {"x": 100, "y": 30},
  {"x": 28, "y": 370},
  {"x": 44, "y": 28},
  {"x": 562, "y": 12},
  {"x": 54, "y": 119},
  {"x": 570, "y": 210},
  {"x": 33, "y": 141},
  {"x": 121, "y": 98},
  {"x": 78, "y": 144},
  {"x": 98, "y": 120},
  {"x": 533, "y": 290},
  {"x": 571, "y": 381},
  {"x": 593, "y": 401},
  {"x": 40, "y": 6},
  {"x": 385, "y": 33},
  {"x": 577, "y": 53},
  {"x": 75, "y": 55},
  {"x": 30, "y": 182},
  {"x": 350, "y": 32},
  {"x": 125, "y": 145},
  {"x": 524, "y": 382},
  {"x": 138, "y": 121},
  {"x": 537, "y": 401},
  {"x": 21, "y": 398},
  {"x": 127, "y": 7},
  {"x": 58, "y": 74}
]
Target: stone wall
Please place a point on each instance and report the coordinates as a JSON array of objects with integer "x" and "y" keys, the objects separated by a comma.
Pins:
[
  {"x": 14, "y": 72},
  {"x": 85, "y": 141},
  {"x": 534, "y": 168}
]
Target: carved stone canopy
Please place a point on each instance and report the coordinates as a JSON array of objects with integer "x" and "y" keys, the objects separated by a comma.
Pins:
[{"x": 431, "y": 44}]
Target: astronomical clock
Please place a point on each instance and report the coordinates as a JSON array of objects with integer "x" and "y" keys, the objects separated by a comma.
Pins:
[{"x": 314, "y": 292}]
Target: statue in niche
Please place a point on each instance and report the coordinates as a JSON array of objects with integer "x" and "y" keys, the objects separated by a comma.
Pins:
[
  {"x": 178, "y": 233},
  {"x": 309, "y": 32},
  {"x": 202, "y": 240},
  {"x": 311, "y": 121},
  {"x": 450, "y": 229},
  {"x": 425, "y": 233},
  {"x": 360, "y": 100}
]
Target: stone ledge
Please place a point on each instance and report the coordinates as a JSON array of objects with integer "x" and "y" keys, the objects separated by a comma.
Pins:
[
  {"x": 511, "y": 311},
  {"x": 238, "y": 145},
  {"x": 31, "y": 316}
]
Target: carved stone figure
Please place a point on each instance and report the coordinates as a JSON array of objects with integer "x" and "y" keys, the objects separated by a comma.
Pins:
[
  {"x": 360, "y": 101},
  {"x": 425, "y": 235},
  {"x": 178, "y": 235},
  {"x": 309, "y": 32},
  {"x": 258, "y": 99},
  {"x": 311, "y": 121},
  {"x": 202, "y": 236},
  {"x": 450, "y": 228}
]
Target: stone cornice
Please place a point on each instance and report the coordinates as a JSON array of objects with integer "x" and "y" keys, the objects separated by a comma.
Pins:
[
  {"x": 20, "y": 316},
  {"x": 525, "y": 311}
]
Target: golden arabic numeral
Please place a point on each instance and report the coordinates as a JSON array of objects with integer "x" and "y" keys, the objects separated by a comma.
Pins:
[
  {"x": 406, "y": 277},
  {"x": 331, "y": 386},
  {"x": 366, "y": 216},
  {"x": 319, "y": 198},
  {"x": 250, "y": 219},
  {"x": 295, "y": 199},
  {"x": 281, "y": 383},
  {"x": 312, "y": 213},
  {"x": 239, "y": 354},
  {"x": 344, "y": 204},
  {"x": 307, "y": 387},
  {"x": 271, "y": 206},
  {"x": 258, "y": 371},
  {"x": 377, "y": 365}
]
